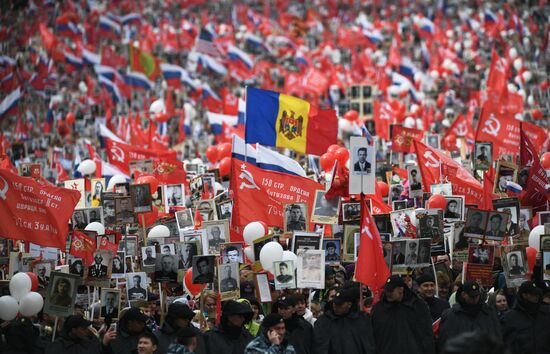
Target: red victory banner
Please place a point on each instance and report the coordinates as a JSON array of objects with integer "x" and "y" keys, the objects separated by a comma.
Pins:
[
  {"x": 260, "y": 194},
  {"x": 35, "y": 212},
  {"x": 82, "y": 246},
  {"x": 402, "y": 138},
  {"x": 121, "y": 154}
]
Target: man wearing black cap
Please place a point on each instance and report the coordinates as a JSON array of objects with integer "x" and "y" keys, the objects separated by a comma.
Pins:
[
  {"x": 130, "y": 327},
  {"x": 426, "y": 290},
  {"x": 186, "y": 342},
  {"x": 526, "y": 328},
  {"x": 230, "y": 336},
  {"x": 299, "y": 332},
  {"x": 272, "y": 337},
  {"x": 178, "y": 316},
  {"x": 401, "y": 311},
  {"x": 342, "y": 329},
  {"x": 469, "y": 314},
  {"x": 75, "y": 338}
]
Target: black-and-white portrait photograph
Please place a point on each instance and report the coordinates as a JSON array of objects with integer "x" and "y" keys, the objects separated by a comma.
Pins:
[
  {"x": 481, "y": 254},
  {"x": 476, "y": 223},
  {"x": 76, "y": 267},
  {"x": 61, "y": 294},
  {"x": 399, "y": 250},
  {"x": 432, "y": 140},
  {"x": 483, "y": 156},
  {"x": 515, "y": 264},
  {"x": 79, "y": 219},
  {"x": 510, "y": 206},
  {"x": 445, "y": 189},
  {"x": 100, "y": 270},
  {"x": 351, "y": 211},
  {"x": 108, "y": 203},
  {"x": 545, "y": 242},
  {"x": 415, "y": 181},
  {"x": 217, "y": 232},
  {"x": 305, "y": 241},
  {"x": 544, "y": 217},
  {"x": 295, "y": 217},
  {"x": 141, "y": 197},
  {"x": 43, "y": 271},
  {"x": 203, "y": 269},
  {"x": 184, "y": 218},
  {"x": 186, "y": 251},
  {"x": 383, "y": 223},
  {"x": 497, "y": 225},
  {"x": 399, "y": 204},
  {"x": 362, "y": 166},
  {"x": 430, "y": 225},
  {"x": 195, "y": 187},
  {"x": 207, "y": 209},
  {"x": 136, "y": 283},
  {"x": 110, "y": 303},
  {"x": 505, "y": 172},
  {"x": 424, "y": 252},
  {"x": 454, "y": 209},
  {"x": 123, "y": 189},
  {"x": 332, "y": 247},
  {"x": 168, "y": 248},
  {"x": 174, "y": 195},
  {"x": 325, "y": 211},
  {"x": 284, "y": 275},
  {"x": 148, "y": 256},
  {"x": 525, "y": 214},
  {"x": 128, "y": 244},
  {"x": 310, "y": 268},
  {"x": 228, "y": 281},
  {"x": 225, "y": 209},
  {"x": 124, "y": 211},
  {"x": 395, "y": 192},
  {"x": 166, "y": 268},
  {"x": 94, "y": 214},
  {"x": 232, "y": 253},
  {"x": 349, "y": 242},
  {"x": 118, "y": 267}
]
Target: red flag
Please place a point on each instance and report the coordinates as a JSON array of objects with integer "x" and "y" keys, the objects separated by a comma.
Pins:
[
  {"x": 33, "y": 211},
  {"x": 371, "y": 268},
  {"x": 498, "y": 74},
  {"x": 166, "y": 172},
  {"x": 48, "y": 39},
  {"x": 383, "y": 117},
  {"x": 260, "y": 194},
  {"x": 198, "y": 219},
  {"x": 488, "y": 187},
  {"x": 462, "y": 127},
  {"x": 105, "y": 244},
  {"x": 534, "y": 193},
  {"x": 402, "y": 138},
  {"x": 121, "y": 154},
  {"x": 324, "y": 126},
  {"x": 82, "y": 246},
  {"x": 499, "y": 128}
]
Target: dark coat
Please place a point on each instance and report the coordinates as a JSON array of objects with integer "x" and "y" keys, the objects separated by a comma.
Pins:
[
  {"x": 166, "y": 335},
  {"x": 404, "y": 327},
  {"x": 299, "y": 334},
  {"x": 456, "y": 321},
  {"x": 125, "y": 342},
  {"x": 437, "y": 306},
  {"x": 219, "y": 342},
  {"x": 65, "y": 345},
  {"x": 525, "y": 333},
  {"x": 351, "y": 334}
]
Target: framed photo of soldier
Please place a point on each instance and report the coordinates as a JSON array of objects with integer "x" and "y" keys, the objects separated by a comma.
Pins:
[
  {"x": 483, "y": 156},
  {"x": 225, "y": 209},
  {"x": 185, "y": 252},
  {"x": 497, "y": 225},
  {"x": 99, "y": 272},
  {"x": 123, "y": 189},
  {"x": 263, "y": 292},
  {"x": 118, "y": 268},
  {"x": 184, "y": 219},
  {"x": 232, "y": 252},
  {"x": 383, "y": 223},
  {"x": 332, "y": 247},
  {"x": 124, "y": 211},
  {"x": 174, "y": 195},
  {"x": 217, "y": 232},
  {"x": 94, "y": 214},
  {"x": 166, "y": 268},
  {"x": 476, "y": 223},
  {"x": 481, "y": 254},
  {"x": 349, "y": 242},
  {"x": 207, "y": 209},
  {"x": 545, "y": 243},
  {"x": 454, "y": 208},
  {"x": 228, "y": 281},
  {"x": 108, "y": 203},
  {"x": 505, "y": 172},
  {"x": 415, "y": 181},
  {"x": 61, "y": 294},
  {"x": 395, "y": 193},
  {"x": 432, "y": 140},
  {"x": 110, "y": 303},
  {"x": 325, "y": 211},
  {"x": 79, "y": 220},
  {"x": 203, "y": 269},
  {"x": 305, "y": 241},
  {"x": 129, "y": 245},
  {"x": 196, "y": 187},
  {"x": 136, "y": 285},
  {"x": 43, "y": 271},
  {"x": 295, "y": 217},
  {"x": 362, "y": 166},
  {"x": 310, "y": 269},
  {"x": 141, "y": 197},
  {"x": 284, "y": 275},
  {"x": 148, "y": 256},
  {"x": 514, "y": 262},
  {"x": 430, "y": 225},
  {"x": 351, "y": 211},
  {"x": 510, "y": 206},
  {"x": 168, "y": 248},
  {"x": 544, "y": 217}
]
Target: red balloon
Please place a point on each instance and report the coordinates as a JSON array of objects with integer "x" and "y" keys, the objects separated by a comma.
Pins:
[
  {"x": 225, "y": 166},
  {"x": 148, "y": 179},
  {"x": 332, "y": 149},
  {"x": 149, "y": 217},
  {"x": 327, "y": 161},
  {"x": 449, "y": 143},
  {"x": 537, "y": 114},
  {"x": 351, "y": 115},
  {"x": 212, "y": 154},
  {"x": 531, "y": 257},
  {"x": 161, "y": 117},
  {"x": 70, "y": 118},
  {"x": 545, "y": 160},
  {"x": 383, "y": 187},
  {"x": 342, "y": 155},
  {"x": 224, "y": 150},
  {"x": 193, "y": 289},
  {"x": 34, "y": 281},
  {"x": 437, "y": 201}
]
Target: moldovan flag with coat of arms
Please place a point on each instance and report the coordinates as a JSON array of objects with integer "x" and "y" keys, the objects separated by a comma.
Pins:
[
  {"x": 143, "y": 62},
  {"x": 36, "y": 212},
  {"x": 276, "y": 119}
]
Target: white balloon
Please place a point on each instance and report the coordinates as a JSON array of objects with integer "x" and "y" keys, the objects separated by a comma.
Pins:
[
  {"x": 8, "y": 308},
  {"x": 512, "y": 88},
  {"x": 394, "y": 90},
  {"x": 527, "y": 76},
  {"x": 534, "y": 237},
  {"x": 86, "y": 167},
  {"x": 409, "y": 122},
  {"x": 419, "y": 124},
  {"x": 434, "y": 74},
  {"x": 114, "y": 181},
  {"x": 31, "y": 304},
  {"x": 159, "y": 231},
  {"x": 345, "y": 125},
  {"x": 530, "y": 100},
  {"x": 513, "y": 53},
  {"x": 289, "y": 256},
  {"x": 97, "y": 227},
  {"x": 446, "y": 122},
  {"x": 253, "y": 231},
  {"x": 249, "y": 252},
  {"x": 20, "y": 285},
  {"x": 270, "y": 252},
  {"x": 157, "y": 107},
  {"x": 518, "y": 63},
  {"x": 82, "y": 87}
]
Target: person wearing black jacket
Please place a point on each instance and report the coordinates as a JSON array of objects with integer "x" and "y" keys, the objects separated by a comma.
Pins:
[
  {"x": 75, "y": 339},
  {"x": 299, "y": 332},
  {"x": 178, "y": 316},
  {"x": 426, "y": 291},
  {"x": 230, "y": 336},
  {"x": 131, "y": 325},
  {"x": 342, "y": 329},
  {"x": 526, "y": 328},
  {"x": 469, "y": 314},
  {"x": 401, "y": 321}
]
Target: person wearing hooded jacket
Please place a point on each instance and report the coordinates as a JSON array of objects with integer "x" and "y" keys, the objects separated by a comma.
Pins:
[
  {"x": 75, "y": 339},
  {"x": 272, "y": 338},
  {"x": 526, "y": 327},
  {"x": 131, "y": 325},
  {"x": 469, "y": 314},
  {"x": 401, "y": 321},
  {"x": 178, "y": 316},
  {"x": 298, "y": 331},
  {"x": 230, "y": 336},
  {"x": 342, "y": 329}
]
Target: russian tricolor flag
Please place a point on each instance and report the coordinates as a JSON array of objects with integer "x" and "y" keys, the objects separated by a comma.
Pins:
[
  {"x": 242, "y": 111},
  {"x": 68, "y": 29},
  {"x": 173, "y": 74},
  {"x": 426, "y": 25},
  {"x": 235, "y": 54},
  {"x": 90, "y": 57},
  {"x": 131, "y": 19},
  {"x": 216, "y": 120},
  {"x": 109, "y": 28},
  {"x": 256, "y": 42},
  {"x": 73, "y": 60},
  {"x": 273, "y": 161},
  {"x": 138, "y": 80},
  {"x": 490, "y": 17},
  {"x": 106, "y": 71},
  {"x": 374, "y": 36},
  {"x": 208, "y": 92},
  {"x": 212, "y": 64},
  {"x": 111, "y": 87},
  {"x": 239, "y": 150},
  {"x": 9, "y": 104},
  {"x": 407, "y": 68}
]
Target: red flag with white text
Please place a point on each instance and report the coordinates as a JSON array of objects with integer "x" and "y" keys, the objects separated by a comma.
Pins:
[
  {"x": 402, "y": 138},
  {"x": 534, "y": 193},
  {"x": 121, "y": 154},
  {"x": 82, "y": 246}
]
